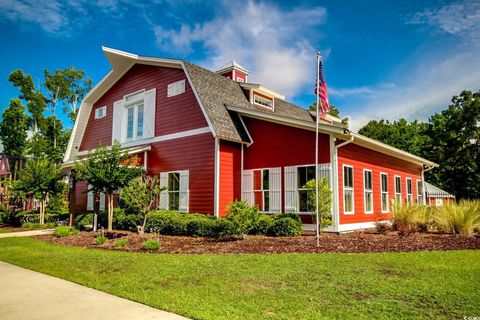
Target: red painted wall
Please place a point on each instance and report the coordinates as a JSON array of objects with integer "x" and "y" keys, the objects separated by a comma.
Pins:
[
  {"x": 194, "y": 153},
  {"x": 276, "y": 145},
  {"x": 173, "y": 114},
  {"x": 230, "y": 174},
  {"x": 361, "y": 158}
]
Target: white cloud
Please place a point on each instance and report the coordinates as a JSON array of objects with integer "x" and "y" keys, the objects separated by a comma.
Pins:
[
  {"x": 272, "y": 43},
  {"x": 360, "y": 91},
  {"x": 460, "y": 18}
]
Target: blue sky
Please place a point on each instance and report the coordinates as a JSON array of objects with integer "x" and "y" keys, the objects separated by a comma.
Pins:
[{"x": 382, "y": 59}]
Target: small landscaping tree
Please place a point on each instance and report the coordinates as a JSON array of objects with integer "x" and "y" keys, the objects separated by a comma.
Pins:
[
  {"x": 142, "y": 196},
  {"x": 106, "y": 171},
  {"x": 40, "y": 179},
  {"x": 324, "y": 201},
  {"x": 243, "y": 216}
]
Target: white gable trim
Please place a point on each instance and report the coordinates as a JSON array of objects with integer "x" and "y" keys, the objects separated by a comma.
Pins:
[{"x": 121, "y": 62}]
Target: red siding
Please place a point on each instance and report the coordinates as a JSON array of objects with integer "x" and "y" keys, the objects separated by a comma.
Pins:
[
  {"x": 81, "y": 197},
  {"x": 230, "y": 174},
  {"x": 276, "y": 145},
  {"x": 239, "y": 74},
  {"x": 361, "y": 158},
  {"x": 194, "y": 153},
  {"x": 173, "y": 114}
]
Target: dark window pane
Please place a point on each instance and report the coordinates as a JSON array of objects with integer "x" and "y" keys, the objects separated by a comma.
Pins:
[
  {"x": 302, "y": 200},
  {"x": 348, "y": 177},
  {"x": 173, "y": 201},
  {"x": 384, "y": 183},
  {"x": 266, "y": 184},
  {"x": 310, "y": 173},
  {"x": 266, "y": 201},
  {"x": 174, "y": 181},
  {"x": 301, "y": 176}
]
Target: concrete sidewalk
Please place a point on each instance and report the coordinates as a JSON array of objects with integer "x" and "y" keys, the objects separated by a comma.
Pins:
[
  {"x": 26, "y": 233},
  {"x": 26, "y": 294}
]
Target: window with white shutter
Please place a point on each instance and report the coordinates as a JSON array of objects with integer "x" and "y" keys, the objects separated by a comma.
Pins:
[
  {"x": 89, "y": 199},
  {"x": 102, "y": 201},
  {"x": 290, "y": 189},
  {"x": 164, "y": 193},
  {"x": 247, "y": 186},
  {"x": 183, "y": 194},
  {"x": 175, "y": 197},
  {"x": 275, "y": 176}
]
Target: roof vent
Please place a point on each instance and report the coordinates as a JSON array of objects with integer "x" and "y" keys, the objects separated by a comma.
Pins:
[{"x": 233, "y": 70}]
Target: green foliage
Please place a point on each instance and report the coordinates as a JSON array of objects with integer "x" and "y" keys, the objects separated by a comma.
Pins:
[
  {"x": 13, "y": 129},
  {"x": 263, "y": 224},
  {"x": 151, "y": 244},
  {"x": 243, "y": 216},
  {"x": 100, "y": 240},
  {"x": 120, "y": 243},
  {"x": 123, "y": 220},
  {"x": 285, "y": 227},
  {"x": 463, "y": 218},
  {"x": 64, "y": 231},
  {"x": 36, "y": 225},
  {"x": 141, "y": 196},
  {"x": 57, "y": 204},
  {"x": 106, "y": 171},
  {"x": 324, "y": 201},
  {"x": 407, "y": 219}
]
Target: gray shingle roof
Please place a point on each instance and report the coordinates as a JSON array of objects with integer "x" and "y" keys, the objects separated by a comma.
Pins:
[{"x": 216, "y": 92}]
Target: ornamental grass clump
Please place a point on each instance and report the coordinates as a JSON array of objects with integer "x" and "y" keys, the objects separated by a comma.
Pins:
[
  {"x": 100, "y": 240},
  {"x": 462, "y": 218},
  {"x": 64, "y": 231},
  {"x": 151, "y": 244},
  {"x": 408, "y": 219},
  {"x": 120, "y": 243}
]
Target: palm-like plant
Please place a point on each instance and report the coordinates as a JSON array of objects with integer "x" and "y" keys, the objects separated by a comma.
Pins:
[{"x": 462, "y": 218}]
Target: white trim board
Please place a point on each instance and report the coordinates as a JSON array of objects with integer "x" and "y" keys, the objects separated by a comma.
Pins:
[
  {"x": 358, "y": 226},
  {"x": 166, "y": 137}
]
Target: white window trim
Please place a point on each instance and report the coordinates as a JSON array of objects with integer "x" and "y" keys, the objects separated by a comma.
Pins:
[
  {"x": 171, "y": 88},
  {"x": 409, "y": 203},
  {"x": 365, "y": 192},
  {"x": 240, "y": 79},
  {"x": 383, "y": 192},
  {"x": 261, "y": 105},
  {"x": 396, "y": 191},
  {"x": 348, "y": 188},
  {"x": 420, "y": 194},
  {"x": 179, "y": 186},
  {"x": 301, "y": 189},
  {"x": 104, "y": 108}
]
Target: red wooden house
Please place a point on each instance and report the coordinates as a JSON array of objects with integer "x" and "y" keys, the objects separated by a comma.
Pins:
[{"x": 214, "y": 137}]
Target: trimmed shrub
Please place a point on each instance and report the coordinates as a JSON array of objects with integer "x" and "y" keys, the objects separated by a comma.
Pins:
[
  {"x": 64, "y": 231},
  {"x": 463, "y": 218},
  {"x": 225, "y": 229},
  {"x": 123, "y": 220},
  {"x": 243, "y": 216},
  {"x": 263, "y": 224},
  {"x": 31, "y": 225},
  {"x": 120, "y": 243},
  {"x": 167, "y": 223},
  {"x": 285, "y": 227},
  {"x": 151, "y": 244},
  {"x": 201, "y": 227},
  {"x": 100, "y": 240}
]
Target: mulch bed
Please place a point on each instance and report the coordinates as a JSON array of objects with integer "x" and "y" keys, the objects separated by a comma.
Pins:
[{"x": 355, "y": 242}]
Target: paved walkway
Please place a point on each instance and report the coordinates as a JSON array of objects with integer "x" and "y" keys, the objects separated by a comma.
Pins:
[
  {"x": 26, "y": 294},
  {"x": 26, "y": 233}
]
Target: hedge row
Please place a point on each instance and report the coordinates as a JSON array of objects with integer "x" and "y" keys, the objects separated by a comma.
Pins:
[{"x": 196, "y": 225}]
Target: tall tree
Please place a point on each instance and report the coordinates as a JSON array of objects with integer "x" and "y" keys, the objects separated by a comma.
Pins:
[
  {"x": 107, "y": 171},
  {"x": 13, "y": 129},
  {"x": 40, "y": 179},
  {"x": 459, "y": 160}
]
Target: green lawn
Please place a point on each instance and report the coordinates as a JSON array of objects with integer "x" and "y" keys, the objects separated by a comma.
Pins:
[{"x": 288, "y": 286}]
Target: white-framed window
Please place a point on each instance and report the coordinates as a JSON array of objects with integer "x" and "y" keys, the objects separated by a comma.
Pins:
[
  {"x": 101, "y": 112},
  {"x": 261, "y": 101},
  {"x": 438, "y": 202},
  {"x": 240, "y": 79},
  {"x": 173, "y": 191},
  {"x": 384, "y": 190},
  {"x": 419, "y": 192},
  {"x": 261, "y": 189},
  {"x": 348, "y": 195},
  {"x": 409, "y": 191},
  {"x": 398, "y": 191},
  {"x": 304, "y": 174},
  {"x": 176, "y": 88},
  {"x": 135, "y": 119},
  {"x": 368, "y": 190},
  {"x": 176, "y": 193}
]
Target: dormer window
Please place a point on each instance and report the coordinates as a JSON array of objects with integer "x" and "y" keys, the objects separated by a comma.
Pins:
[{"x": 262, "y": 101}]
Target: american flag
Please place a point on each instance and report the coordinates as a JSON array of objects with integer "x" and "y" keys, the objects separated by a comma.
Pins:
[{"x": 321, "y": 88}]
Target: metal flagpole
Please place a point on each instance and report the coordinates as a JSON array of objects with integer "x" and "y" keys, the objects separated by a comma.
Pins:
[{"x": 317, "y": 222}]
